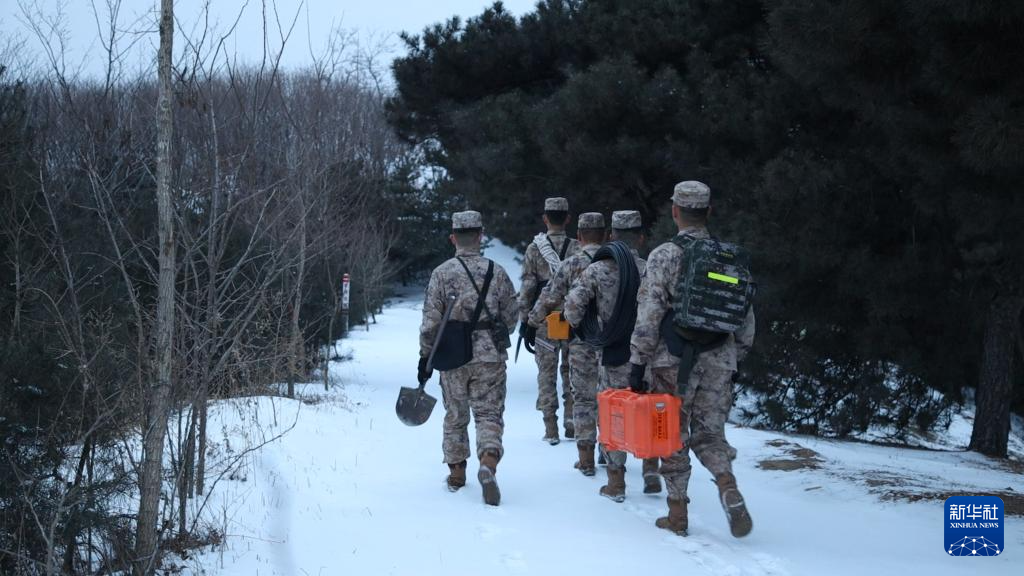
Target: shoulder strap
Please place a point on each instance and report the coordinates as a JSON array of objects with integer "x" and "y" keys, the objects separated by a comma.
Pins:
[
  {"x": 481, "y": 293},
  {"x": 565, "y": 248},
  {"x": 481, "y": 301},
  {"x": 684, "y": 241},
  {"x": 468, "y": 273}
]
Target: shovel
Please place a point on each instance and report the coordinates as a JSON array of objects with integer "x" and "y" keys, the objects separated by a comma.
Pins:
[{"x": 414, "y": 404}]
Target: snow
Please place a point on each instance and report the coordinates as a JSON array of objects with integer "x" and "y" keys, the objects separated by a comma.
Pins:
[
  {"x": 953, "y": 435},
  {"x": 348, "y": 489},
  {"x": 507, "y": 257}
]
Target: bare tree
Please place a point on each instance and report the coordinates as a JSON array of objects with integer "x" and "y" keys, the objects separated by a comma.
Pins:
[
  {"x": 273, "y": 187},
  {"x": 158, "y": 407}
]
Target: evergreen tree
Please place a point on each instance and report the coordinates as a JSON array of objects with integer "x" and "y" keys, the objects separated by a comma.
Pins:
[
  {"x": 604, "y": 102},
  {"x": 900, "y": 191},
  {"x": 867, "y": 153}
]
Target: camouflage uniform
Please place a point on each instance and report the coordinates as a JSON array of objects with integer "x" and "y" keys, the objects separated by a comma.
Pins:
[
  {"x": 479, "y": 386},
  {"x": 547, "y": 352},
  {"x": 708, "y": 395},
  {"x": 600, "y": 282},
  {"x": 583, "y": 360}
]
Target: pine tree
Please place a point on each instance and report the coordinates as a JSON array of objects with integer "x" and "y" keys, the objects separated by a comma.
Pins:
[
  {"x": 865, "y": 152},
  {"x": 908, "y": 154}
]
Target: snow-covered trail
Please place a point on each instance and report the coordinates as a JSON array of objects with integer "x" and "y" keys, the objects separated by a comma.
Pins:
[{"x": 351, "y": 490}]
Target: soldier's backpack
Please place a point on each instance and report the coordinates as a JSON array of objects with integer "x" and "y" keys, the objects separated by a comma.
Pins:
[{"x": 714, "y": 290}]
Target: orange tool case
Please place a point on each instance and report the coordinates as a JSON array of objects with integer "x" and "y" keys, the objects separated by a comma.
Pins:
[
  {"x": 645, "y": 425},
  {"x": 558, "y": 328}
]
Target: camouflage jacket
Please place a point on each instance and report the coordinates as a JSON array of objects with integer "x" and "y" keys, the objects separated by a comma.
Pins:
[
  {"x": 600, "y": 281},
  {"x": 536, "y": 270},
  {"x": 657, "y": 290},
  {"x": 451, "y": 278},
  {"x": 553, "y": 295}
]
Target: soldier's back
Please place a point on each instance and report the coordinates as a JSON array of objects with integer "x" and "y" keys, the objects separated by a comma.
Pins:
[{"x": 462, "y": 277}]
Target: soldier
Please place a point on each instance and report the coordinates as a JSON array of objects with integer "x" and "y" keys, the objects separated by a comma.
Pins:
[
  {"x": 543, "y": 256},
  {"x": 600, "y": 283},
  {"x": 477, "y": 387},
  {"x": 707, "y": 395},
  {"x": 583, "y": 364}
]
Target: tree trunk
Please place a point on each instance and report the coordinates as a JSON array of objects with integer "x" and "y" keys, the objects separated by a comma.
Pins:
[
  {"x": 75, "y": 511},
  {"x": 296, "y": 359},
  {"x": 187, "y": 469},
  {"x": 150, "y": 481},
  {"x": 216, "y": 229},
  {"x": 330, "y": 340},
  {"x": 995, "y": 380}
]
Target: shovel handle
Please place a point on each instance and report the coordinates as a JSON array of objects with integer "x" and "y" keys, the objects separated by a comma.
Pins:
[{"x": 440, "y": 332}]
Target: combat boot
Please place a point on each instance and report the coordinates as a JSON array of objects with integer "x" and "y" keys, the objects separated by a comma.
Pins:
[
  {"x": 676, "y": 520},
  {"x": 570, "y": 428},
  {"x": 652, "y": 480},
  {"x": 456, "y": 476},
  {"x": 586, "y": 462},
  {"x": 488, "y": 467},
  {"x": 615, "y": 490},
  {"x": 735, "y": 508},
  {"x": 551, "y": 430}
]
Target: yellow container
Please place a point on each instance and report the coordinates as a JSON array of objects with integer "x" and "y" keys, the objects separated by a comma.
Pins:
[{"x": 558, "y": 328}]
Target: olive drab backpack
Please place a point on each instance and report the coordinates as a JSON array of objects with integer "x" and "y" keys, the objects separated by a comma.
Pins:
[{"x": 715, "y": 288}]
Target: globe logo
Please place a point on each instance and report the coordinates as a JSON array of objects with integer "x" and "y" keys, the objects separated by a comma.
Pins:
[{"x": 980, "y": 546}]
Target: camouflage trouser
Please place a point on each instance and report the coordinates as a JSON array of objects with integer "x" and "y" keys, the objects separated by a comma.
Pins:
[
  {"x": 615, "y": 377},
  {"x": 583, "y": 374},
  {"x": 706, "y": 404},
  {"x": 478, "y": 388},
  {"x": 547, "y": 375}
]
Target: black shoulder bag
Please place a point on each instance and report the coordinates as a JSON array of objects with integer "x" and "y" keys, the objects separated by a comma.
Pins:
[{"x": 456, "y": 346}]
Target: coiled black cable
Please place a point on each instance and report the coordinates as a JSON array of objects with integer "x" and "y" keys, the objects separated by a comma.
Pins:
[{"x": 623, "y": 319}]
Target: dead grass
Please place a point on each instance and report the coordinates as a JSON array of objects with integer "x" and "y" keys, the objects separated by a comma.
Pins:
[
  {"x": 796, "y": 457},
  {"x": 886, "y": 485},
  {"x": 1013, "y": 502}
]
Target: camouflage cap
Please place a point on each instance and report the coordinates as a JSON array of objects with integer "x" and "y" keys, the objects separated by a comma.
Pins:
[
  {"x": 591, "y": 221},
  {"x": 556, "y": 205},
  {"x": 468, "y": 219},
  {"x": 691, "y": 194},
  {"x": 626, "y": 219}
]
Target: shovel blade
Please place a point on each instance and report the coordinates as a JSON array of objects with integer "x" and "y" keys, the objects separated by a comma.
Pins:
[{"x": 414, "y": 406}]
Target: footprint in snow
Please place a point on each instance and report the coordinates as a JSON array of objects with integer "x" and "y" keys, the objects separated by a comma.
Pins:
[
  {"x": 514, "y": 560},
  {"x": 488, "y": 532},
  {"x": 770, "y": 564}
]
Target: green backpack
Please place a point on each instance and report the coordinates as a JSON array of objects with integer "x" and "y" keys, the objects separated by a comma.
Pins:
[{"x": 715, "y": 288}]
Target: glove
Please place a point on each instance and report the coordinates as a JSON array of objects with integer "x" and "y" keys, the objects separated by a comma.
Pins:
[
  {"x": 636, "y": 379},
  {"x": 529, "y": 334},
  {"x": 422, "y": 372}
]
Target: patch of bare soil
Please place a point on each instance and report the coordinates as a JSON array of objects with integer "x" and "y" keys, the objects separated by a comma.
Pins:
[
  {"x": 887, "y": 485},
  {"x": 794, "y": 457},
  {"x": 1014, "y": 466},
  {"x": 1013, "y": 502}
]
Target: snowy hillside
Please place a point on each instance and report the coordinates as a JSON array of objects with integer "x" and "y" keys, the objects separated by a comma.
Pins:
[{"x": 351, "y": 490}]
